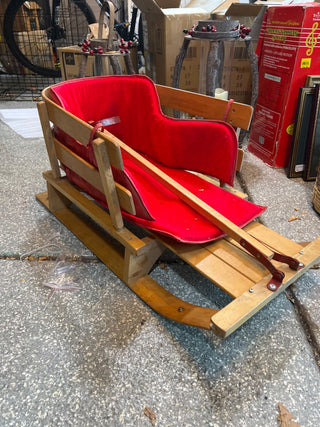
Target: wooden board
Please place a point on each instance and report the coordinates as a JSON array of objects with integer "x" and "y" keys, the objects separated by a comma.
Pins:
[
  {"x": 246, "y": 305},
  {"x": 227, "y": 264}
]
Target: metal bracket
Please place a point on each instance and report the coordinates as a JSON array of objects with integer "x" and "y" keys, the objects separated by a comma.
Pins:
[
  {"x": 277, "y": 275},
  {"x": 293, "y": 263}
]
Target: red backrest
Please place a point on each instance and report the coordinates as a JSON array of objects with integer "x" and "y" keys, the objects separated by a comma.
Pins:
[
  {"x": 205, "y": 146},
  {"x": 131, "y": 103}
]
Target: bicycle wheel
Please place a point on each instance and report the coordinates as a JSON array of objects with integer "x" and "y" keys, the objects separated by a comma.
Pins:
[{"x": 33, "y": 35}]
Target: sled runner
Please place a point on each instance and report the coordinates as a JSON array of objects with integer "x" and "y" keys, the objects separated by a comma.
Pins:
[{"x": 124, "y": 161}]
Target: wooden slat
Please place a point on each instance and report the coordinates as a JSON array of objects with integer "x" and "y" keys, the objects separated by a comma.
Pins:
[
  {"x": 230, "y": 267},
  {"x": 274, "y": 240},
  {"x": 226, "y": 276},
  {"x": 239, "y": 259},
  {"x": 205, "y": 106},
  {"x": 47, "y": 134},
  {"x": 91, "y": 175},
  {"x": 78, "y": 165},
  {"x": 239, "y": 159},
  {"x": 68, "y": 122},
  {"x": 245, "y": 306},
  {"x": 99, "y": 215},
  {"x": 109, "y": 188}
]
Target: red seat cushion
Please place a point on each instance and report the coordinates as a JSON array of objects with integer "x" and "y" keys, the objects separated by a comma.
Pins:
[
  {"x": 176, "y": 219},
  {"x": 172, "y": 145}
]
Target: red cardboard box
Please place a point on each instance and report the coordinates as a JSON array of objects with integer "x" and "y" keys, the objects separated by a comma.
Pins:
[{"x": 289, "y": 51}]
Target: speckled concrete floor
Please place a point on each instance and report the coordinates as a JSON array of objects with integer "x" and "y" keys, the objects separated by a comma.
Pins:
[{"x": 98, "y": 356}]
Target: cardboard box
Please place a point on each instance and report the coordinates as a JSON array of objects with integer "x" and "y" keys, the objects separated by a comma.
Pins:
[
  {"x": 289, "y": 52},
  {"x": 27, "y": 20},
  {"x": 30, "y": 17},
  {"x": 70, "y": 59},
  {"x": 163, "y": 38}
]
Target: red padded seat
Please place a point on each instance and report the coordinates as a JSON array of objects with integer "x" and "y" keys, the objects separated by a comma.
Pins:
[{"x": 176, "y": 146}]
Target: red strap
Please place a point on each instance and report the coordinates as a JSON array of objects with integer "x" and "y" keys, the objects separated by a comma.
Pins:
[
  {"x": 230, "y": 102},
  {"x": 97, "y": 127}
]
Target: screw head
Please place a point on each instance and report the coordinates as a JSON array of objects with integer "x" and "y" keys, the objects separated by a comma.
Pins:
[
  {"x": 251, "y": 290},
  {"x": 272, "y": 286}
]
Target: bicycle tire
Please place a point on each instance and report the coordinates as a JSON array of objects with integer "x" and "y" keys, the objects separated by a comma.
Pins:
[{"x": 39, "y": 55}]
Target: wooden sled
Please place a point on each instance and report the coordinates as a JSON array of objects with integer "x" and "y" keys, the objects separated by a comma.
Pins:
[{"x": 252, "y": 264}]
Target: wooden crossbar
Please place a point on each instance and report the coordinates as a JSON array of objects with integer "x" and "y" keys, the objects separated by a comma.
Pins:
[{"x": 205, "y": 106}]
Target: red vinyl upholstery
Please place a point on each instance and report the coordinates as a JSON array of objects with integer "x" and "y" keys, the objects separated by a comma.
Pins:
[{"x": 176, "y": 146}]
